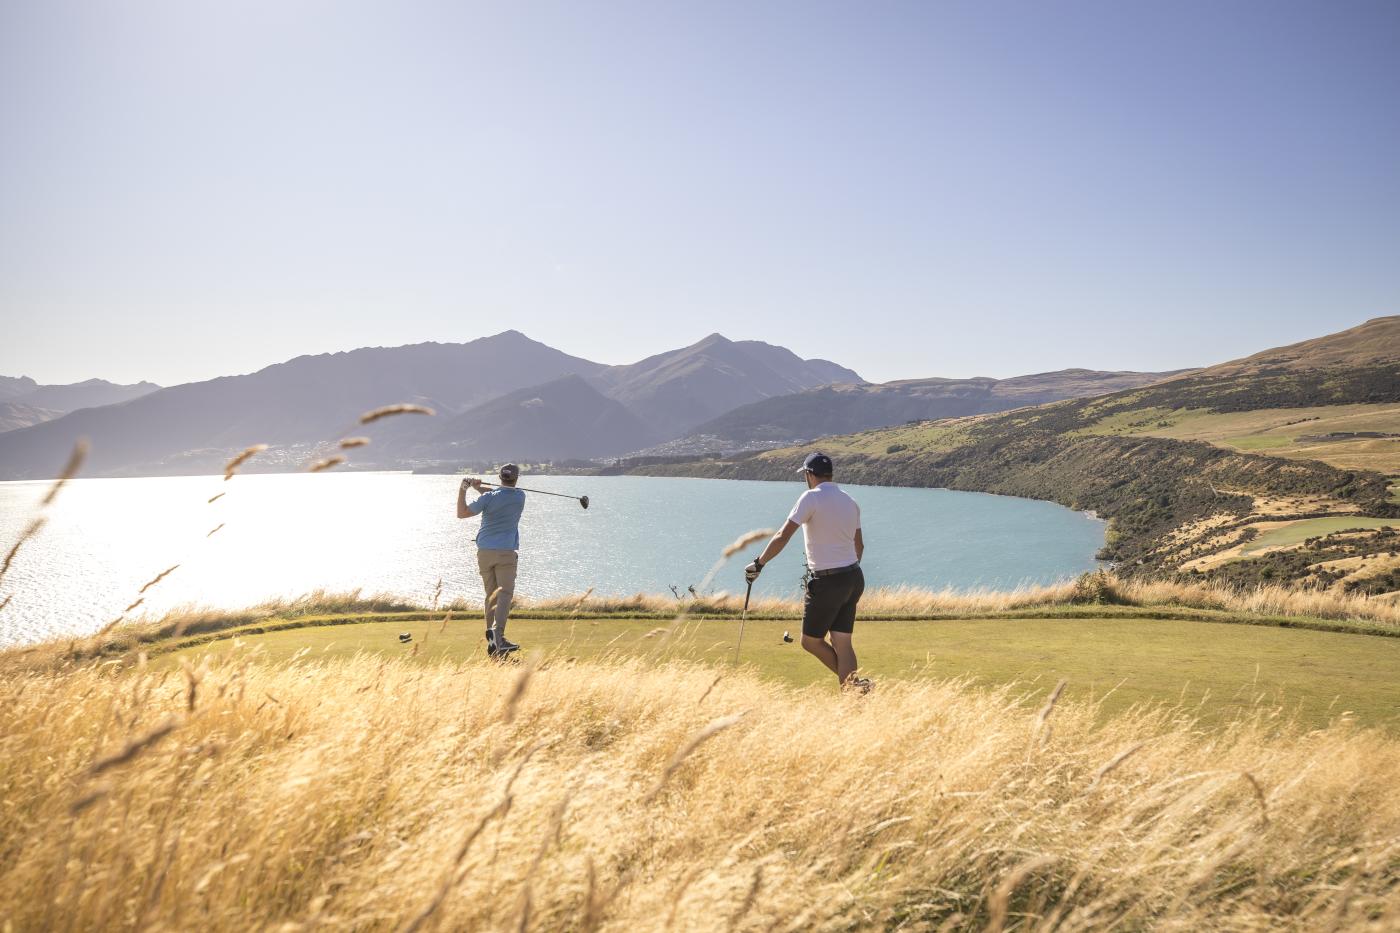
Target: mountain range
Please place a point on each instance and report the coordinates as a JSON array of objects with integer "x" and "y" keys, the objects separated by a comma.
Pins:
[
  {"x": 498, "y": 396},
  {"x": 24, "y": 402}
]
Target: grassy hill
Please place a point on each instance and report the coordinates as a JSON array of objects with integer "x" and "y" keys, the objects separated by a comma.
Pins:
[
  {"x": 1352, "y": 437},
  {"x": 1372, "y": 343},
  {"x": 845, "y": 408},
  {"x": 1164, "y": 462}
]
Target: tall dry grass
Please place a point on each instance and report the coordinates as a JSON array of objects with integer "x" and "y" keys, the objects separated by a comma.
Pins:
[
  {"x": 1099, "y": 588},
  {"x": 1267, "y": 599},
  {"x": 376, "y": 795}
]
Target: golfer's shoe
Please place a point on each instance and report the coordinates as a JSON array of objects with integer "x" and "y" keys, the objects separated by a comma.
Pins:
[{"x": 498, "y": 647}]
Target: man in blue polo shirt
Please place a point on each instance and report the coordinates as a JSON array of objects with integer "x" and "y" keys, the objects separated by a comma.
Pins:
[{"x": 497, "y": 550}]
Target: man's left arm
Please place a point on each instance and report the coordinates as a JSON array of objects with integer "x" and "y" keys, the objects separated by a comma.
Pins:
[{"x": 860, "y": 545}]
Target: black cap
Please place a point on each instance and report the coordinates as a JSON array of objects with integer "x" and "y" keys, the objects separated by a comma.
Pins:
[
  {"x": 510, "y": 472},
  {"x": 819, "y": 464}
]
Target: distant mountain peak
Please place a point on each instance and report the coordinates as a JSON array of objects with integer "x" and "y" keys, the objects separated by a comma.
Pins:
[
  {"x": 512, "y": 335},
  {"x": 12, "y": 387}
]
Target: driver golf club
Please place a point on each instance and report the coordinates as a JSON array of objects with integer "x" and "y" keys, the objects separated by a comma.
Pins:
[{"x": 582, "y": 500}]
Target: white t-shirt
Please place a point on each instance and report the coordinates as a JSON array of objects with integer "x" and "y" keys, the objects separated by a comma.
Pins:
[{"x": 829, "y": 520}]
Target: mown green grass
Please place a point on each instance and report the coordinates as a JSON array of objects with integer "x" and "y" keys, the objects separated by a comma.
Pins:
[
  {"x": 1215, "y": 671},
  {"x": 1299, "y": 532}
]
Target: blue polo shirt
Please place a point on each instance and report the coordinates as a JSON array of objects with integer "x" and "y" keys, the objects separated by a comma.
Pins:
[{"x": 500, "y": 518}]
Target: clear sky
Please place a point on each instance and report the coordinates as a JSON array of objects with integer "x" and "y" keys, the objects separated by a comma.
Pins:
[{"x": 193, "y": 189}]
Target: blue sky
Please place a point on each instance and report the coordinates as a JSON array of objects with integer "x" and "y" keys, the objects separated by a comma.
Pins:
[{"x": 190, "y": 190}]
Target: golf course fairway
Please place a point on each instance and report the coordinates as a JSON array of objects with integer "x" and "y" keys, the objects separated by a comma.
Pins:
[{"x": 1214, "y": 671}]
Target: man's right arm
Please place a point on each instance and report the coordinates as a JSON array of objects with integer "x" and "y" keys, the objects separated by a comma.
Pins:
[
  {"x": 464, "y": 510},
  {"x": 799, "y": 515},
  {"x": 778, "y": 542}
]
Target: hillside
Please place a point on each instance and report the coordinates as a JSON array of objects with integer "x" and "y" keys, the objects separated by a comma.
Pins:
[
  {"x": 24, "y": 402},
  {"x": 1176, "y": 504},
  {"x": 675, "y": 391},
  {"x": 15, "y": 415},
  {"x": 1354, "y": 424},
  {"x": 843, "y": 409},
  {"x": 798, "y": 372},
  {"x": 561, "y": 419},
  {"x": 1374, "y": 343},
  {"x": 90, "y": 394}
]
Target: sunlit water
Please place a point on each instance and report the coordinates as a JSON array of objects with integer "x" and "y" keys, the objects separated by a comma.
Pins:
[{"x": 284, "y": 535}]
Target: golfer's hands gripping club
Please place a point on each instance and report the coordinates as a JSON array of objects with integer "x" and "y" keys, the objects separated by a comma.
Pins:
[
  {"x": 472, "y": 482},
  {"x": 752, "y": 571}
]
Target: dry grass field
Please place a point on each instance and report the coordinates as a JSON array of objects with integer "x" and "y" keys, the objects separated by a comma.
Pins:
[
  {"x": 372, "y": 794},
  {"x": 1280, "y": 432}
]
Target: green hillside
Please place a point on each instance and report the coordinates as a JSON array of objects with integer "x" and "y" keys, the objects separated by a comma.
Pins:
[{"x": 842, "y": 409}]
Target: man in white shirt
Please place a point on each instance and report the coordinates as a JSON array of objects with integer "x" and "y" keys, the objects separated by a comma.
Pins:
[{"x": 830, "y": 522}]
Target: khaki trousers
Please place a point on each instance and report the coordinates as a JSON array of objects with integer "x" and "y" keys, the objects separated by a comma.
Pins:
[{"x": 498, "y": 578}]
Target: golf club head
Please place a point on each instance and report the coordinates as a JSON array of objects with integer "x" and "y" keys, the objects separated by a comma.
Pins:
[
  {"x": 583, "y": 501},
  {"x": 787, "y": 639}
]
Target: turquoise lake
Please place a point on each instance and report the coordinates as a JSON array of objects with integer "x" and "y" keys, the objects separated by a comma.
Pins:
[{"x": 283, "y": 535}]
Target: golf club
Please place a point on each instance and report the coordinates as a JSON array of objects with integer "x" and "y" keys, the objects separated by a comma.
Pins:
[
  {"x": 742, "y": 619},
  {"x": 582, "y": 500}
]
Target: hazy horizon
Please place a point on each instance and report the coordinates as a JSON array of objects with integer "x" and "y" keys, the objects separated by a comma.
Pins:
[{"x": 910, "y": 190}]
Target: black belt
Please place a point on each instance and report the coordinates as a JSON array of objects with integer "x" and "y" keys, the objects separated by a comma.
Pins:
[{"x": 835, "y": 570}]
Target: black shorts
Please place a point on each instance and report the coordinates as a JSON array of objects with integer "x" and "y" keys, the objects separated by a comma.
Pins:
[{"x": 830, "y": 605}]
